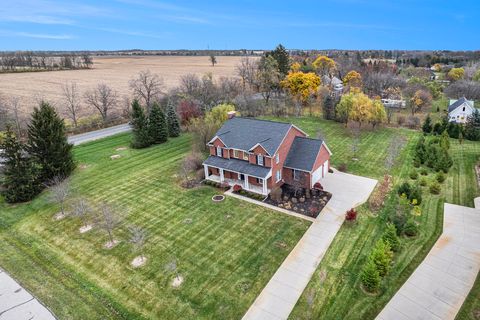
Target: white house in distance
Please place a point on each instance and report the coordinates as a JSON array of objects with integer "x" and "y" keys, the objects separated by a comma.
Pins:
[{"x": 459, "y": 110}]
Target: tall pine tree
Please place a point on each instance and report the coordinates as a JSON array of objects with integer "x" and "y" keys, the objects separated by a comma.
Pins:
[
  {"x": 427, "y": 125},
  {"x": 157, "y": 125},
  {"x": 472, "y": 127},
  {"x": 21, "y": 173},
  {"x": 47, "y": 143},
  {"x": 172, "y": 121},
  {"x": 283, "y": 59},
  {"x": 140, "y": 127}
]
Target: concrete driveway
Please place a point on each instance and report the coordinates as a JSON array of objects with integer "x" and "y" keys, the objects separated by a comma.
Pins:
[
  {"x": 98, "y": 134},
  {"x": 18, "y": 304},
  {"x": 279, "y": 297},
  {"x": 438, "y": 287}
]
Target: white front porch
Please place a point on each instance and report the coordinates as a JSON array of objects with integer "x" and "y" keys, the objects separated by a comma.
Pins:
[{"x": 263, "y": 189}]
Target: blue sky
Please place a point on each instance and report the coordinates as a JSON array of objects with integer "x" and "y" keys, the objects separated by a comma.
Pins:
[{"x": 320, "y": 24}]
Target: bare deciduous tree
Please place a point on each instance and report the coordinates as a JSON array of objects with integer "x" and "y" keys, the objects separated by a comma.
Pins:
[
  {"x": 108, "y": 220},
  {"x": 190, "y": 163},
  {"x": 147, "y": 87},
  {"x": 60, "y": 190},
  {"x": 82, "y": 210},
  {"x": 355, "y": 140},
  {"x": 103, "y": 99},
  {"x": 464, "y": 88},
  {"x": 246, "y": 71},
  {"x": 138, "y": 237},
  {"x": 71, "y": 96},
  {"x": 213, "y": 60}
]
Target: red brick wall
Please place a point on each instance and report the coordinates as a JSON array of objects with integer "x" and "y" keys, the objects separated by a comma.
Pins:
[
  {"x": 214, "y": 171},
  {"x": 253, "y": 180},
  {"x": 288, "y": 177},
  {"x": 322, "y": 156},
  {"x": 283, "y": 152},
  {"x": 267, "y": 161},
  {"x": 218, "y": 143}
]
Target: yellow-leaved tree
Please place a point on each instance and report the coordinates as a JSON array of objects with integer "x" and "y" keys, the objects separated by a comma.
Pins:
[
  {"x": 353, "y": 79},
  {"x": 456, "y": 74},
  {"x": 324, "y": 65},
  {"x": 301, "y": 86},
  {"x": 357, "y": 106}
]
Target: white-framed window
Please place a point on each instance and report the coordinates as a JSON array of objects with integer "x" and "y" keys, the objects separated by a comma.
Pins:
[
  {"x": 279, "y": 175},
  {"x": 259, "y": 180},
  {"x": 219, "y": 151},
  {"x": 277, "y": 158},
  {"x": 235, "y": 154},
  {"x": 245, "y": 156},
  {"x": 296, "y": 175},
  {"x": 259, "y": 159}
]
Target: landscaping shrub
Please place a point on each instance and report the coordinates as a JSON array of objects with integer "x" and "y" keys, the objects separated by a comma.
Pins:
[
  {"x": 370, "y": 276},
  {"x": 410, "y": 229},
  {"x": 415, "y": 195},
  {"x": 405, "y": 189},
  {"x": 435, "y": 188},
  {"x": 318, "y": 186},
  {"x": 399, "y": 220},
  {"x": 351, "y": 215},
  {"x": 423, "y": 172},
  {"x": 342, "y": 167},
  {"x": 382, "y": 256},
  {"x": 440, "y": 177},
  {"x": 237, "y": 188},
  {"x": 423, "y": 182},
  {"x": 390, "y": 236},
  {"x": 413, "y": 174}
]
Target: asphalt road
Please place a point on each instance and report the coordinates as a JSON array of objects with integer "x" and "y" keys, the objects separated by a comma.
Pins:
[{"x": 98, "y": 134}]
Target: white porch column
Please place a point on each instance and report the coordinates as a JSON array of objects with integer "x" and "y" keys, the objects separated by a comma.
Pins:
[
  {"x": 221, "y": 175},
  {"x": 246, "y": 182},
  {"x": 205, "y": 167},
  {"x": 264, "y": 186}
]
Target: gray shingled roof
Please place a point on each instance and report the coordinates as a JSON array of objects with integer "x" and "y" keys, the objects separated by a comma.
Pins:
[
  {"x": 238, "y": 166},
  {"x": 457, "y": 104},
  {"x": 303, "y": 153},
  {"x": 243, "y": 133}
]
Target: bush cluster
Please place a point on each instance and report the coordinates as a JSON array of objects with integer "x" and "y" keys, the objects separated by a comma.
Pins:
[
  {"x": 412, "y": 193},
  {"x": 378, "y": 265}
]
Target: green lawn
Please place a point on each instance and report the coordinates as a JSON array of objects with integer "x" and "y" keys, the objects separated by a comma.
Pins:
[
  {"x": 227, "y": 252},
  {"x": 334, "y": 291}
]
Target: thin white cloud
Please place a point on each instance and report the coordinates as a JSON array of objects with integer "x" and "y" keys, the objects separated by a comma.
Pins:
[
  {"x": 8, "y": 33},
  {"x": 39, "y": 19},
  {"x": 161, "y": 35}
]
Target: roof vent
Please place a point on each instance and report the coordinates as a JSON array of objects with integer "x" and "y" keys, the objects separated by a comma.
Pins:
[{"x": 231, "y": 114}]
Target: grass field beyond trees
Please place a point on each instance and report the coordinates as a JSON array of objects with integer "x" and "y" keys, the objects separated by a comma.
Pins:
[
  {"x": 226, "y": 251},
  {"x": 334, "y": 291}
]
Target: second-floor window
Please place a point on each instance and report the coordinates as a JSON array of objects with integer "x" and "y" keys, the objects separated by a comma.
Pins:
[
  {"x": 260, "y": 160},
  {"x": 277, "y": 158},
  {"x": 279, "y": 175},
  {"x": 235, "y": 154},
  {"x": 219, "y": 152}
]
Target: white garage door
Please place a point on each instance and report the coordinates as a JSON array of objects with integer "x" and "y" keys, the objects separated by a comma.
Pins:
[{"x": 320, "y": 173}]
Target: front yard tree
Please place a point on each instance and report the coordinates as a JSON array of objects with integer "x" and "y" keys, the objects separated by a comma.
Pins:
[
  {"x": 82, "y": 210},
  {"x": 172, "y": 121},
  {"x": 108, "y": 221},
  {"x": 47, "y": 143},
  {"x": 301, "y": 86},
  {"x": 377, "y": 113},
  {"x": 370, "y": 276},
  {"x": 427, "y": 125},
  {"x": 138, "y": 238},
  {"x": 382, "y": 257},
  {"x": 157, "y": 125},
  {"x": 140, "y": 129},
  {"x": 21, "y": 173},
  {"x": 60, "y": 190}
]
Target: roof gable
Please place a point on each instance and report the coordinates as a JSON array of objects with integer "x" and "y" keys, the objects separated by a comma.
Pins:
[
  {"x": 244, "y": 134},
  {"x": 460, "y": 102},
  {"x": 303, "y": 153}
]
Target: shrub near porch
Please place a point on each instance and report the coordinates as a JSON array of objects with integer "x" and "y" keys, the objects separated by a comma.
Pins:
[{"x": 226, "y": 252}]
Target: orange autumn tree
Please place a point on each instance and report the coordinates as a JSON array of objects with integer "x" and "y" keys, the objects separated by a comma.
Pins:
[
  {"x": 357, "y": 106},
  {"x": 301, "y": 86},
  {"x": 353, "y": 79},
  {"x": 324, "y": 65}
]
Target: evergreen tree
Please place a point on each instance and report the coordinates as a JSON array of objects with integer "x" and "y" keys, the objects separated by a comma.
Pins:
[
  {"x": 283, "y": 59},
  {"x": 157, "y": 125},
  {"x": 427, "y": 125},
  {"x": 329, "y": 108},
  {"x": 48, "y": 145},
  {"x": 172, "y": 121},
  {"x": 445, "y": 140},
  {"x": 382, "y": 257},
  {"x": 21, "y": 173},
  {"x": 390, "y": 236},
  {"x": 140, "y": 129},
  {"x": 472, "y": 127},
  {"x": 420, "y": 150},
  {"x": 370, "y": 276}
]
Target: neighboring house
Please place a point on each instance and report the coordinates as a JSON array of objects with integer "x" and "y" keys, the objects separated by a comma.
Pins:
[
  {"x": 335, "y": 84},
  {"x": 459, "y": 110},
  {"x": 392, "y": 103},
  {"x": 261, "y": 155}
]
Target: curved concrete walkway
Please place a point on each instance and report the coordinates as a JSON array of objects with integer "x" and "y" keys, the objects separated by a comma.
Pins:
[
  {"x": 18, "y": 304},
  {"x": 278, "y": 298},
  {"x": 438, "y": 287}
]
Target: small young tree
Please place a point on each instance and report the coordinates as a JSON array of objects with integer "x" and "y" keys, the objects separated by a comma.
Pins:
[
  {"x": 190, "y": 163},
  {"x": 60, "y": 190},
  {"x": 47, "y": 143},
  {"x": 382, "y": 257},
  {"x": 108, "y": 220},
  {"x": 140, "y": 127},
  {"x": 427, "y": 125},
  {"x": 82, "y": 210},
  {"x": 370, "y": 276},
  {"x": 157, "y": 123},
  {"x": 390, "y": 236},
  {"x": 71, "y": 98},
  {"x": 138, "y": 238},
  {"x": 21, "y": 181},
  {"x": 172, "y": 121}
]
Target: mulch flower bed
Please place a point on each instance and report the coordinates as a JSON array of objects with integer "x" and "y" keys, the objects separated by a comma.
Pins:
[{"x": 306, "y": 202}]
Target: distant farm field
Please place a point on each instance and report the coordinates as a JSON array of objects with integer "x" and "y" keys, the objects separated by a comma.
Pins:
[{"x": 115, "y": 71}]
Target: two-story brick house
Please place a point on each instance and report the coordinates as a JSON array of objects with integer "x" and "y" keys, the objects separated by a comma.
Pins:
[{"x": 261, "y": 155}]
